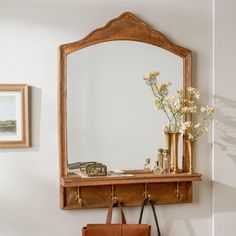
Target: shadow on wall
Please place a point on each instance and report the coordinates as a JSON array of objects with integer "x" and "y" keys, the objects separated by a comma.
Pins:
[
  {"x": 225, "y": 194},
  {"x": 225, "y": 125},
  {"x": 36, "y": 100}
]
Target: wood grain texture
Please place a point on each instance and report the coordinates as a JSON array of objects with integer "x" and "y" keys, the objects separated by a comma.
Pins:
[
  {"x": 125, "y": 27},
  {"x": 187, "y": 83},
  {"x": 128, "y": 195},
  {"x": 129, "y": 191},
  {"x": 73, "y": 181},
  {"x": 62, "y": 116}
]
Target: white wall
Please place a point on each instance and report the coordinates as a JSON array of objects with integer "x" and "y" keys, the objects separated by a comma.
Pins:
[
  {"x": 224, "y": 165},
  {"x": 30, "y": 33}
]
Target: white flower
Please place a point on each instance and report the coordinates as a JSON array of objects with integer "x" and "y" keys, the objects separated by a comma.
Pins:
[
  {"x": 176, "y": 102},
  {"x": 182, "y": 128},
  {"x": 203, "y": 109},
  {"x": 158, "y": 104},
  {"x": 193, "y": 92},
  {"x": 180, "y": 91},
  {"x": 207, "y": 110},
  {"x": 210, "y": 110},
  {"x": 167, "y": 127},
  {"x": 188, "y": 124},
  {"x": 146, "y": 76},
  {"x": 151, "y": 75},
  {"x": 190, "y": 136},
  {"x": 155, "y": 73}
]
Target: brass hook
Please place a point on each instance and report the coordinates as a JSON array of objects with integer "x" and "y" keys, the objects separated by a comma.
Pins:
[
  {"x": 78, "y": 198},
  {"x": 178, "y": 193},
  {"x": 147, "y": 196},
  {"x": 113, "y": 195}
]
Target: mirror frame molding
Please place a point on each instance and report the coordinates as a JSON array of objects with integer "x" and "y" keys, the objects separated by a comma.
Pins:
[{"x": 125, "y": 27}]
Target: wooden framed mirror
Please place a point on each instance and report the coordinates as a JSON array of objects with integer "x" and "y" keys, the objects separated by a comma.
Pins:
[{"x": 102, "y": 108}]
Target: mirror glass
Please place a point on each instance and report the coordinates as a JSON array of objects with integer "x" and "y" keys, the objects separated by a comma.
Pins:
[{"x": 111, "y": 117}]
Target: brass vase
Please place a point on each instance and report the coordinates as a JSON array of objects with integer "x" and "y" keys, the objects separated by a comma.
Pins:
[
  {"x": 172, "y": 144},
  {"x": 168, "y": 142},
  {"x": 190, "y": 147},
  {"x": 175, "y": 150}
]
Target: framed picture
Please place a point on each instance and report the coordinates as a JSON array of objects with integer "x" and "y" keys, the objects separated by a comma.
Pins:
[{"x": 14, "y": 115}]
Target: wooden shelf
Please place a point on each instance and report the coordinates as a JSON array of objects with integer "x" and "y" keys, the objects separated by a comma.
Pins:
[
  {"x": 96, "y": 192},
  {"x": 77, "y": 181}
]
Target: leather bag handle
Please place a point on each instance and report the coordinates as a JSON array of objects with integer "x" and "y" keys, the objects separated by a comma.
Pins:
[
  {"x": 109, "y": 214},
  {"x": 154, "y": 214}
]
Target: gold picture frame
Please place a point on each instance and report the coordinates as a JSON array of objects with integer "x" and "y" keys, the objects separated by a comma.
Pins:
[{"x": 14, "y": 115}]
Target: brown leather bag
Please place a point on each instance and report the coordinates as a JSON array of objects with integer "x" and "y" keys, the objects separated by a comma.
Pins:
[{"x": 122, "y": 229}]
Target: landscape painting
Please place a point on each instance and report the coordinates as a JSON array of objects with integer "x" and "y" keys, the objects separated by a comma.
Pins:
[
  {"x": 14, "y": 117},
  {"x": 7, "y": 115}
]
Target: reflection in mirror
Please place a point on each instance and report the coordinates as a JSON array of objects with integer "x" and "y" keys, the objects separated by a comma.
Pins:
[{"x": 111, "y": 116}]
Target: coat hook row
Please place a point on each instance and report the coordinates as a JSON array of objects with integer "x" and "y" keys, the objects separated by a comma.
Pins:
[{"x": 114, "y": 197}]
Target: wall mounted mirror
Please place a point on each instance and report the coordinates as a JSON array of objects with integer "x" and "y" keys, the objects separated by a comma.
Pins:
[
  {"x": 106, "y": 111},
  {"x": 111, "y": 114}
]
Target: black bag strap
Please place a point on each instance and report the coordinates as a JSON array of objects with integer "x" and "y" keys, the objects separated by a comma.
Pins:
[{"x": 154, "y": 214}]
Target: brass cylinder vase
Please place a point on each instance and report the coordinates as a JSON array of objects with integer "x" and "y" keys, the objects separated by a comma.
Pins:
[
  {"x": 172, "y": 144},
  {"x": 190, "y": 147},
  {"x": 168, "y": 142},
  {"x": 168, "y": 147},
  {"x": 175, "y": 150}
]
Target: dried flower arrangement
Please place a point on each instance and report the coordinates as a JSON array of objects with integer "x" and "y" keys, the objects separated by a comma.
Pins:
[{"x": 177, "y": 107}]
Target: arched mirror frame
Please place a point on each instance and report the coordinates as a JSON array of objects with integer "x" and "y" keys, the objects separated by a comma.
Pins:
[{"x": 125, "y": 27}]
